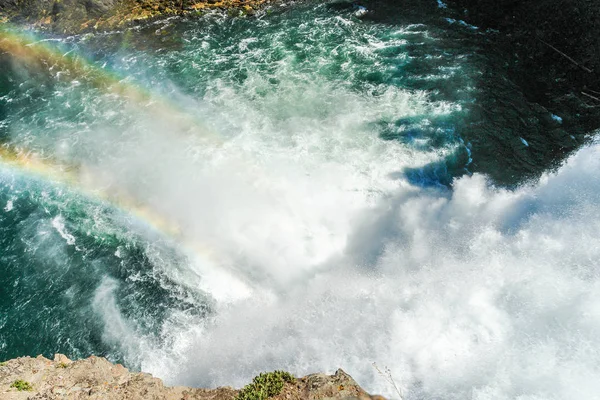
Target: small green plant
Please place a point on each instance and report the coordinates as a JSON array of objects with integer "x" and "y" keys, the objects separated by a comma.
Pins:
[
  {"x": 265, "y": 385},
  {"x": 3, "y": 363},
  {"x": 62, "y": 365},
  {"x": 22, "y": 386}
]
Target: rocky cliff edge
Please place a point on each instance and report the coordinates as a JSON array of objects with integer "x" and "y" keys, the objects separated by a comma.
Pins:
[
  {"x": 75, "y": 16},
  {"x": 96, "y": 378}
]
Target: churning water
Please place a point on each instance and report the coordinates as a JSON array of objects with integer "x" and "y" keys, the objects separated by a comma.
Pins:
[{"x": 299, "y": 190}]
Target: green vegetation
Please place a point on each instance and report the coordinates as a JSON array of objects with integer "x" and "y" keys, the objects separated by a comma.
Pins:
[
  {"x": 62, "y": 365},
  {"x": 3, "y": 363},
  {"x": 22, "y": 385},
  {"x": 265, "y": 385}
]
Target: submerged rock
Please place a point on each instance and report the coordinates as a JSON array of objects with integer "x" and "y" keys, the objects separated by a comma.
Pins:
[{"x": 97, "y": 378}]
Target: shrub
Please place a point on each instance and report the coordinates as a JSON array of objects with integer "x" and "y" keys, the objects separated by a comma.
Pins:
[
  {"x": 265, "y": 385},
  {"x": 22, "y": 385}
]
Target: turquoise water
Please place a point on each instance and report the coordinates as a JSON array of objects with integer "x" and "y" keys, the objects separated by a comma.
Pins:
[{"x": 302, "y": 189}]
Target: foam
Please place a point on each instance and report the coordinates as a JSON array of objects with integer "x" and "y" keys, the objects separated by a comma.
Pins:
[
  {"x": 58, "y": 224},
  {"x": 481, "y": 293}
]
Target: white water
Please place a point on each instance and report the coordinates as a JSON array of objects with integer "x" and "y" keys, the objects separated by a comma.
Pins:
[
  {"x": 320, "y": 256},
  {"x": 482, "y": 294}
]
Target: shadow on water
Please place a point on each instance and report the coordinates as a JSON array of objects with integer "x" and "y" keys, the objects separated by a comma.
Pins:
[{"x": 501, "y": 131}]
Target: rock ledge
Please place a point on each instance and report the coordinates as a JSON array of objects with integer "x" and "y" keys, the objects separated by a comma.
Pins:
[
  {"x": 77, "y": 16},
  {"x": 97, "y": 378}
]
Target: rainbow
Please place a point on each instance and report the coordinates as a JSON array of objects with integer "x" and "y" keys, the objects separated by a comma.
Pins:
[
  {"x": 39, "y": 57},
  {"x": 72, "y": 177},
  {"x": 62, "y": 174}
]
